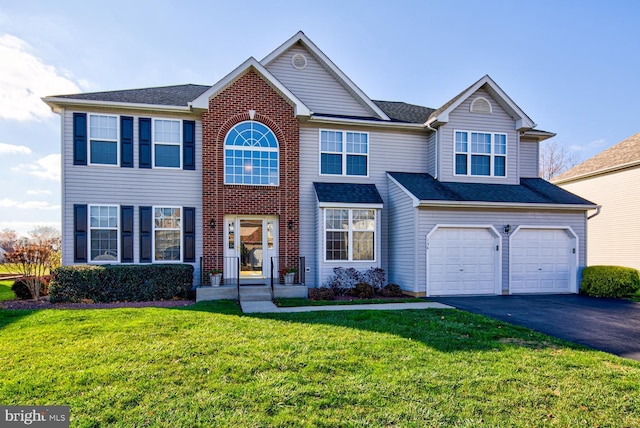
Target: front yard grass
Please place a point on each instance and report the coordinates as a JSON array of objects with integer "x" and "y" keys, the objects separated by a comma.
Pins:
[
  {"x": 5, "y": 290},
  {"x": 210, "y": 365}
]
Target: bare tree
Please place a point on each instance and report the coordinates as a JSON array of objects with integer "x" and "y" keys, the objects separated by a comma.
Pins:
[
  {"x": 8, "y": 239},
  {"x": 555, "y": 159}
]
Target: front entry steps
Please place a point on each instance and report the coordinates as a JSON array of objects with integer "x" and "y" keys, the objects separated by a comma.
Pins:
[{"x": 255, "y": 293}]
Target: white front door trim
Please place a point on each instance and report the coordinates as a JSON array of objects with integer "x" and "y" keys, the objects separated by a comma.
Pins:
[
  {"x": 573, "y": 287},
  {"x": 497, "y": 267}
]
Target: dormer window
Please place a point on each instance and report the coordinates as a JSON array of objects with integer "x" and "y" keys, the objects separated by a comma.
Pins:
[
  {"x": 480, "y": 154},
  {"x": 480, "y": 105}
]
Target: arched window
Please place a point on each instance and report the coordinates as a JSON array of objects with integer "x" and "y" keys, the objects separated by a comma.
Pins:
[{"x": 251, "y": 155}]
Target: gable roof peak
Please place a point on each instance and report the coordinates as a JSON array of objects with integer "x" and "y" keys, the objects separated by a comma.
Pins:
[
  {"x": 302, "y": 38},
  {"x": 441, "y": 115}
]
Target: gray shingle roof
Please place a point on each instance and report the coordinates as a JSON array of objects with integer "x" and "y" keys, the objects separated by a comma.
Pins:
[
  {"x": 349, "y": 193},
  {"x": 177, "y": 95},
  {"x": 624, "y": 153},
  {"x": 403, "y": 112},
  {"x": 529, "y": 191}
]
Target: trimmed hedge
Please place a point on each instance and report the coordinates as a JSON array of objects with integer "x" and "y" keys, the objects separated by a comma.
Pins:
[
  {"x": 118, "y": 283},
  {"x": 609, "y": 281}
]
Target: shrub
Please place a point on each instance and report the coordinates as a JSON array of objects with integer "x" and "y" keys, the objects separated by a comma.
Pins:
[
  {"x": 364, "y": 290},
  {"x": 391, "y": 290},
  {"x": 112, "y": 283},
  {"x": 609, "y": 281},
  {"x": 21, "y": 289},
  {"x": 321, "y": 293},
  {"x": 375, "y": 277}
]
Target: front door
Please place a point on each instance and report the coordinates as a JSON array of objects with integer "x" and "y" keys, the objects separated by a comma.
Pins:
[{"x": 251, "y": 244}]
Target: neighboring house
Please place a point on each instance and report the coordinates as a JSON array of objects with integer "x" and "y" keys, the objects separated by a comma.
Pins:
[
  {"x": 286, "y": 159},
  {"x": 613, "y": 179}
]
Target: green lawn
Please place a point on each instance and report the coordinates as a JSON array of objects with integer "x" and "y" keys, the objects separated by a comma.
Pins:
[
  {"x": 5, "y": 290},
  {"x": 210, "y": 365}
]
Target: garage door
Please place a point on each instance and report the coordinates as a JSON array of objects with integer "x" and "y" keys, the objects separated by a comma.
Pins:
[
  {"x": 461, "y": 261},
  {"x": 541, "y": 261}
]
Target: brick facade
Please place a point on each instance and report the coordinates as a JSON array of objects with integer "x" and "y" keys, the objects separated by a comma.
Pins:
[{"x": 229, "y": 107}]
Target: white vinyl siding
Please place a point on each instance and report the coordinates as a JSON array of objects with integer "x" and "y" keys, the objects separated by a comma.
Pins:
[
  {"x": 529, "y": 158},
  {"x": 316, "y": 86},
  {"x": 388, "y": 150},
  {"x": 498, "y": 122},
  {"x": 614, "y": 234},
  {"x": 128, "y": 186}
]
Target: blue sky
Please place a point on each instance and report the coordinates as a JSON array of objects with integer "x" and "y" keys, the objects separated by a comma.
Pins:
[{"x": 573, "y": 66}]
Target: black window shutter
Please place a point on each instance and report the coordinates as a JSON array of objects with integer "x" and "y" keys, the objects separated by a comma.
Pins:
[
  {"x": 79, "y": 138},
  {"x": 79, "y": 233},
  {"x": 126, "y": 234},
  {"x": 126, "y": 142},
  {"x": 144, "y": 142},
  {"x": 189, "y": 234},
  {"x": 146, "y": 229},
  {"x": 189, "y": 144}
]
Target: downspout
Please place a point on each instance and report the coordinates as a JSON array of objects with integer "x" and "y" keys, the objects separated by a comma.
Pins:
[
  {"x": 596, "y": 213},
  {"x": 436, "y": 148}
]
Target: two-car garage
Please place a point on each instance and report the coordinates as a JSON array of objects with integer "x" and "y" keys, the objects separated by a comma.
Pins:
[{"x": 481, "y": 259}]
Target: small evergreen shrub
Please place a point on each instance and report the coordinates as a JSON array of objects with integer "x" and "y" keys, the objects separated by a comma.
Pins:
[
  {"x": 391, "y": 290},
  {"x": 609, "y": 281},
  {"x": 364, "y": 290},
  {"x": 114, "y": 283},
  {"x": 21, "y": 289},
  {"x": 321, "y": 293}
]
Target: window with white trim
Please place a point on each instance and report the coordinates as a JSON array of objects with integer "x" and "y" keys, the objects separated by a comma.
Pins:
[
  {"x": 251, "y": 155},
  {"x": 167, "y": 234},
  {"x": 344, "y": 153},
  {"x": 167, "y": 143},
  {"x": 480, "y": 154},
  {"x": 350, "y": 234},
  {"x": 103, "y": 233},
  {"x": 103, "y": 140}
]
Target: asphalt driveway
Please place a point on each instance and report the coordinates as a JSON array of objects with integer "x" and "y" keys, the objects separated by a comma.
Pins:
[{"x": 609, "y": 325}]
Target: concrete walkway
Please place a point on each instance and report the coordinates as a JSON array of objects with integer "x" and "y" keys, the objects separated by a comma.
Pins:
[{"x": 254, "y": 307}]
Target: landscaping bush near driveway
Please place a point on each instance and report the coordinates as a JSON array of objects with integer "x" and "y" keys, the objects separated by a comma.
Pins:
[
  {"x": 609, "y": 281},
  {"x": 113, "y": 283}
]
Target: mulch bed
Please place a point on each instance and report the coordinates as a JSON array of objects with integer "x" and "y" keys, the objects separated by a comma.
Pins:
[{"x": 45, "y": 304}]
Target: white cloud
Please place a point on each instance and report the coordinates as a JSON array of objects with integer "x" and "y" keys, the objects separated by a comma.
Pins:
[
  {"x": 24, "y": 79},
  {"x": 38, "y": 192},
  {"x": 27, "y": 205},
  {"x": 23, "y": 227},
  {"x": 595, "y": 144},
  {"x": 12, "y": 149},
  {"x": 47, "y": 167}
]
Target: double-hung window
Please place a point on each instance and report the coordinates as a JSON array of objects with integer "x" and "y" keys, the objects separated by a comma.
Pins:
[
  {"x": 103, "y": 139},
  {"x": 103, "y": 233},
  {"x": 344, "y": 153},
  {"x": 167, "y": 236},
  {"x": 167, "y": 143},
  {"x": 480, "y": 154},
  {"x": 350, "y": 234}
]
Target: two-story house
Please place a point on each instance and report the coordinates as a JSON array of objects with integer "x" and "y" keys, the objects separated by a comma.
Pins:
[{"x": 286, "y": 158}]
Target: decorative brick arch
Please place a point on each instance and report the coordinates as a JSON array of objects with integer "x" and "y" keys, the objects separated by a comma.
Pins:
[{"x": 250, "y": 92}]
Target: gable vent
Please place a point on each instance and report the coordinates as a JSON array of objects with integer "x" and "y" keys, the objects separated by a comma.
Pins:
[
  {"x": 481, "y": 105},
  {"x": 299, "y": 61}
]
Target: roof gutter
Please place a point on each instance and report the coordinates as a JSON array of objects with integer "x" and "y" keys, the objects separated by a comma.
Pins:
[
  {"x": 598, "y": 208},
  {"x": 379, "y": 124},
  {"x": 57, "y": 104},
  {"x": 502, "y": 205}
]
